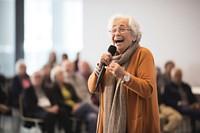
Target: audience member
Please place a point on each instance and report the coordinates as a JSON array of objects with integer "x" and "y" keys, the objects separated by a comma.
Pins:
[
  {"x": 178, "y": 95},
  {"x": 64, "y": 57},
  {"x": 52, "y": 59},
  {"x": 2, "y": 80},
  {"x": 46, "y": 70},
  {"x": 68, "y": 98},
  {"x": 3, "y": 106},
  {"x": 40, "y": 103},
  {"x": 170, "y": 118},
  {"x": 165, "y": 78},
  {"x": 77, "y": 61},
  {"x": 77, "y": 81},
  {"x": 19, "y": 83},
  {"x": 84, "y": 69}
]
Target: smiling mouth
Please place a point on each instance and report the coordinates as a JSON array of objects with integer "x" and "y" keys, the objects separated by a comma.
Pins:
[{"x": 119, "y": 41}]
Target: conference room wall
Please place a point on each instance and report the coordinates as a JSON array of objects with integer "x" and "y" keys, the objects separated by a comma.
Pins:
[{"x": 170, "y": 30}]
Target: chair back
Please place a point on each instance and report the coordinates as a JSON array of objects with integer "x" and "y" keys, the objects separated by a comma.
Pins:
[{"x": 21, "y": 109}]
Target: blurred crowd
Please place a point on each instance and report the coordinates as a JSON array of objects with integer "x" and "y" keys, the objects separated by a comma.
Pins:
[
  {"x": 176, "y": 99},
  {"x": 58, "y": 92}
]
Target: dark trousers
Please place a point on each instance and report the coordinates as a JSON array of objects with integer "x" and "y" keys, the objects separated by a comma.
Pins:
[
  {"x": 194, "y": 115},
  {"x": 89, "y": 113},
  {"x": 50, "y": 119}
]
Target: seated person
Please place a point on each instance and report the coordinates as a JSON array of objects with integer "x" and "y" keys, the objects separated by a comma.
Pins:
[
  {"x": 39, "y": 102},
  {"x": 76, "y": 80},
  {"x": 68, "y": 98},
  {"x": 46, "y": 70},
  {"x": 178, "y": 95},
  {"x": 19, "y": 83},
  {"x": 171, "y": 118},
  {"x": 3, "y": 106}
]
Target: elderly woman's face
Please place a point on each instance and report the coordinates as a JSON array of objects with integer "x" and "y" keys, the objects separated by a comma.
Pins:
[
  {"x": 122, "y": 35},
  {"x": 69, "y": 67},
  {"x": 22, "y": 69},
  {"x": 36, "y": 79},
  {"x": 59, "y": 77}
]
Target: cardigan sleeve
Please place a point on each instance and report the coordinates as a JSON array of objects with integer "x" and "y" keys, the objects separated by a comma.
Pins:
[
  {"x": 143, "y": 80},
  {"x": 92, "y": 82}
]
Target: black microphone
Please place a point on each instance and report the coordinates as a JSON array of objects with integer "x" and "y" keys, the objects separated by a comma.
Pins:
[{"x": 111, "y": 50}]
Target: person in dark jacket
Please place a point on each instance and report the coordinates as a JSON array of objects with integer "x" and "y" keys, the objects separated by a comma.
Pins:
[
  {"x": 3, "y": 106},
  {"x": 178, "y": 95},
  {"x": 19, "y": 83},
  {"x": 68, "y": 99},
  {"x": 39, "y": 102}
]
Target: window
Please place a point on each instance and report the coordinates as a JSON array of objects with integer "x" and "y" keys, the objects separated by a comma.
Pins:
[
  {"x": 51, "y": 25},
  {"x": 7, "y": 37}
]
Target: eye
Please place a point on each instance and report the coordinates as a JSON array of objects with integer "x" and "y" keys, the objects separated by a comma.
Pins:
[{"x": 122, "y": 30}]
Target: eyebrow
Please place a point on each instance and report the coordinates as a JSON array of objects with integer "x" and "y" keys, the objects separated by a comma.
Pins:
[{"x": 119, "y": 25}]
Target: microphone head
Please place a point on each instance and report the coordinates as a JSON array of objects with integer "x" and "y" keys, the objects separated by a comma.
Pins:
[{"x": 112, "y": 49}]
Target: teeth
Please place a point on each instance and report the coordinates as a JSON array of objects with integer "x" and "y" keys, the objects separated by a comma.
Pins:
[{"x": 119, "y": 41}]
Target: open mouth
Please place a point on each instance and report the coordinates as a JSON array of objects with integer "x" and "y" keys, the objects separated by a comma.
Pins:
[{"x": 119, "y": 41}]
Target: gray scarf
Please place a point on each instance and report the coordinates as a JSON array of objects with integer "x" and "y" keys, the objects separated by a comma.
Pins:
[{"x": 115, "y": 98}]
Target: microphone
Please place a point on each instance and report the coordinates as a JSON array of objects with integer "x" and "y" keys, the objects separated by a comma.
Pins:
[{"x": 111, "y": 50}]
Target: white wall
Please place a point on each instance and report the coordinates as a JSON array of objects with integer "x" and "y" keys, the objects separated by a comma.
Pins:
[{"x": 171, "y": 30}]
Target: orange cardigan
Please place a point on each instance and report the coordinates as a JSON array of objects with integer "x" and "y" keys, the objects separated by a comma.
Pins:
[{"x": 141, "y": 95}]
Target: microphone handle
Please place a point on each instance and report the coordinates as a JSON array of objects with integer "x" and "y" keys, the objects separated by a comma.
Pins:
[{"x": 100, "y": 77}]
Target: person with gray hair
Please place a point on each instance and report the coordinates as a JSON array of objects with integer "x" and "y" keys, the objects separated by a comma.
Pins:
[
  {"x": 77, "y": 81},
  {"x": 68, "y": 99},
  {"x": 128, "y": 93},
  {"x": 178, "y": 94},
  {"x": 19, "y": 83}
]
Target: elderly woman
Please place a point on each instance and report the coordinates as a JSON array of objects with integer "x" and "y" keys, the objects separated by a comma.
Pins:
[
  {"x": 67, "y": 97},
  {"x": 19, "y": 83},
  {"x": 77, "y": 81},
  {"x": 128, "y": 92}
]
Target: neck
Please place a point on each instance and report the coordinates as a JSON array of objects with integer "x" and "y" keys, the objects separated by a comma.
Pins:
[
  {"x": 37, "y": 86},
  {"x": 60, "y": 84}
]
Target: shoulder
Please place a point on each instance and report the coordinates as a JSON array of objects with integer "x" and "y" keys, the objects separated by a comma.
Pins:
[
  {"x": 169, "y": 86},
  {"x": 55, "y": 87},
  {"x": 69, "y": 85},
  {"x": 29, "y": 91},
  {"x": 16, "y": 77},
  {"x": 144, "y": 52},
  {"x": 186, "y": 85}
]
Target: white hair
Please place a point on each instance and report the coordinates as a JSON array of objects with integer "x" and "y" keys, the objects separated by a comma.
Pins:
[
  {"x": 18, "y": 64},
  {"x": 54, "y": 72},
  {"x": 132, "y": 23}
]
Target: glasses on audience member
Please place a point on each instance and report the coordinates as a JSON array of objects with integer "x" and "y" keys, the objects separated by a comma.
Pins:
[{"x": 120, "y": 29}]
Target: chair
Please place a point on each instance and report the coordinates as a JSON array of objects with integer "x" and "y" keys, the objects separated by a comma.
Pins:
[
  {"x": 4, "y": 118},
  {"x": 78, "y": 122},
  {"x": 36, "y": 121}
]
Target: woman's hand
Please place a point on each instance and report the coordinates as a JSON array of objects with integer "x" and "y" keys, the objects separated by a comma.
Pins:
[
  {"x": 75, "y": 107},
  {"x": 54, "y": 109},
  {"x": 106, "y": 59},
  {"x": 116, "y": 70},
  {"x": 3, "y": 108}
]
